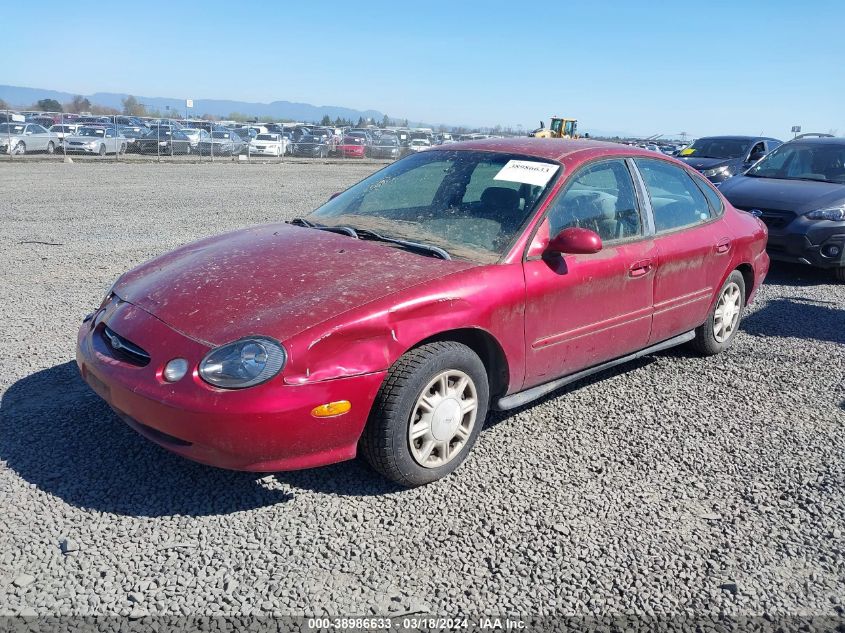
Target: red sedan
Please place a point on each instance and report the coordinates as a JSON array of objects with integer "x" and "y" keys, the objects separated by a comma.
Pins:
[
  {"x": 391, "y": 319},
  {"x": 352, "y": 147}
]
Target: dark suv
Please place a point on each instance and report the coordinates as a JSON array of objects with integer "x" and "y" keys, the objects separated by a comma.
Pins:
[
  {"x": 799, "y": 192},
  {"x": 721, "y": 157}
]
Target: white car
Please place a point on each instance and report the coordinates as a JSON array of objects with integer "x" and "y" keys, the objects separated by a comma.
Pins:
[
  {"x": 268, "y": 145},
  {"x": 20, "y": 138},
  {"x": 63, "y": 130},
  {"x": 96, "y": 140},
  {"x": 195, "y": 135},
  {"x": 419, "y": 144}
]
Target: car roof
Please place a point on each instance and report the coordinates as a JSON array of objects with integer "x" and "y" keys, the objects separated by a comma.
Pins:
[
  {"x": 819, "y": 140},
  {"x": 552, "y": 148},
  {"x": 737, "y": 137}
]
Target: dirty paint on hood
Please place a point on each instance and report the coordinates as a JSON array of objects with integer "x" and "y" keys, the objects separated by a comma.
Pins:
[{"x": 275, "y": 280}]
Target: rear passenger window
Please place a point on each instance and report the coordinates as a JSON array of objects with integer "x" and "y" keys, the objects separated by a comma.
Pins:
[
  {"x": 601, "y": 198},
  {"x": 717, "y": 207},
  {"x": 675, "y": 199}
]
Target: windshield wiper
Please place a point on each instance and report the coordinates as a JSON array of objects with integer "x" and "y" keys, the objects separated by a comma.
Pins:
[
  {"x": 427, "y": 249},
  {"x": 414, "y": 246},
  {"x": 343, "y": 230}
]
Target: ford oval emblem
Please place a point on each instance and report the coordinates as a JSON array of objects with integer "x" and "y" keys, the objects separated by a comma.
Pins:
[{"x": 115, "y": 342}]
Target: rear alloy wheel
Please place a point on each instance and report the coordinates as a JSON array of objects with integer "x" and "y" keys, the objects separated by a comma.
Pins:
[
  {"x": 20, "y": 148},
  {"x": 717, "y": 333},
  {"x": 51, "y": 147},
  {"x": 427, "y": 415},
  {"x": 102, "y": 151},
  {"x": 123, "y": 148}
]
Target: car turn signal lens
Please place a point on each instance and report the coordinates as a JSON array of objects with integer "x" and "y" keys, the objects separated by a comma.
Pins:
[{"x": 331, "y": 409}]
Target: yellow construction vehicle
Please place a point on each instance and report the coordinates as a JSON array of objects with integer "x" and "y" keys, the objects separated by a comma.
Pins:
[{"x": 558, "y": 128}]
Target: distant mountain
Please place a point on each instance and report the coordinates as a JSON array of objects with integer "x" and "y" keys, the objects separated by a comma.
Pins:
[{"x": 17, "y": 96}]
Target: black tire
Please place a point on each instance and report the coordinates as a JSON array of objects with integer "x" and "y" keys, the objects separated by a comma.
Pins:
[
  {"x": 51, "y": 147},
  {"x": 839, "y": 273},
  {"x": 102, "y": 151},
  {"x": 705, "y": 341},
  {"x": 385, "y": 443}
]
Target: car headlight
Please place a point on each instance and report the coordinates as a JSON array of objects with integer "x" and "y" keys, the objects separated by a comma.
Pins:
[
  {"x": 835, "y": 214},
  {"x": 724, "y": 170},
  {"x": 244, "y": 363}
]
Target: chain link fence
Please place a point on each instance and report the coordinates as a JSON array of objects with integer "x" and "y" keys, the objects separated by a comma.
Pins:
[{"x": 125, "y": 138}]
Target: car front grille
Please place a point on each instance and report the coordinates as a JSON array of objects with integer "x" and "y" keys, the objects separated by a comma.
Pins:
[
  {"x": 124, "y": 349},
  {"x": 772, "y": 218}
]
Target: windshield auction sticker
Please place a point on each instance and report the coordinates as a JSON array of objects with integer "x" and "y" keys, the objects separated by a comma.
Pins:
[{"x": 527, "y": 172}]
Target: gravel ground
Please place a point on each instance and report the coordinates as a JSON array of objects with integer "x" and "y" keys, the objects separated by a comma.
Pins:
[{"x": 675, "y": 484}]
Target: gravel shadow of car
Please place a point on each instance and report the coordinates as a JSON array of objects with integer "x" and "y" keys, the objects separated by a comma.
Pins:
[
  {"x": 798, "y": 317},
  {"x": 786, "y": 274},
  {"x": 58, "y": 435}
]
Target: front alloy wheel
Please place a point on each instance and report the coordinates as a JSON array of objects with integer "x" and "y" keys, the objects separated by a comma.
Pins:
[{"x": 443, "y": 418}]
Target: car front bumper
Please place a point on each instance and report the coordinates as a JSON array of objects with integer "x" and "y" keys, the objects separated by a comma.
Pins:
[
  {"x": 264, "y": 428},
  {"x": 82, "y": 149},
  {"x": 819, "y": 243},
  {"x": 267, "y": 151}
]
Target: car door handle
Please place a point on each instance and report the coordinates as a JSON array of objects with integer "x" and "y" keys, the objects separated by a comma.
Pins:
[
  {"x": 723, "y": 245},
  {"x": 640, "y": 268}
]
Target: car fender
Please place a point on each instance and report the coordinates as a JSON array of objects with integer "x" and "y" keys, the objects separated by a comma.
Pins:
[
  {"x": 749, "y": 249},
  {"x": 371, "y": 338}
]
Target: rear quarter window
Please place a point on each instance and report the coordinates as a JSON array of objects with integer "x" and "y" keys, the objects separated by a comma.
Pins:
[{"x": 717, "y": 206}]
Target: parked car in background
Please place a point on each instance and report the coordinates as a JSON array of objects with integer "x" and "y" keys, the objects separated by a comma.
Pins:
[
  {"x": 311, "y": 146},
  {"x": 96, "y": 140},
  {"x": 268, "y": 145},
  {"x": 798, "y": 191},
  {"x": 21, "y": 138},
  {"x": 163, "y": 140},
  {"x": 722, "y": 157},
  {"x": 419, "y": 144},
  {"x": 357, "y": 353},
  {"x": 9, "y": 116},
  {"x": 132, "y": 133},
  {"x": 386, "y": 146},
  {"x": 61, "y": 131},
  {"x": 195, "y": 136},
  {"x": 221, "y": 143},
  {"x": 352, "y": 146}
]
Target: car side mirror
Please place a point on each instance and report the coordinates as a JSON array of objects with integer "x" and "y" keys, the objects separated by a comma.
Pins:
[{"x": 575, "y": 241}]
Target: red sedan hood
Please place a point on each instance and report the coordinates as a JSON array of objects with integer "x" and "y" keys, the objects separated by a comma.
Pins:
[{"x": 275, "y": 280}]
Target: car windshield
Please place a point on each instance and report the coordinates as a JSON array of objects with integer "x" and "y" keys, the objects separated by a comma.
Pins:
[
  {"x": 11, "y": 128},
  {"x": 471, "y": 204},
  {"x": 803, "y": 161},
  {"x": 266, "y": 137},
  {"x": 92, "y": 131},
  {"x": 715, "y": 147}
]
